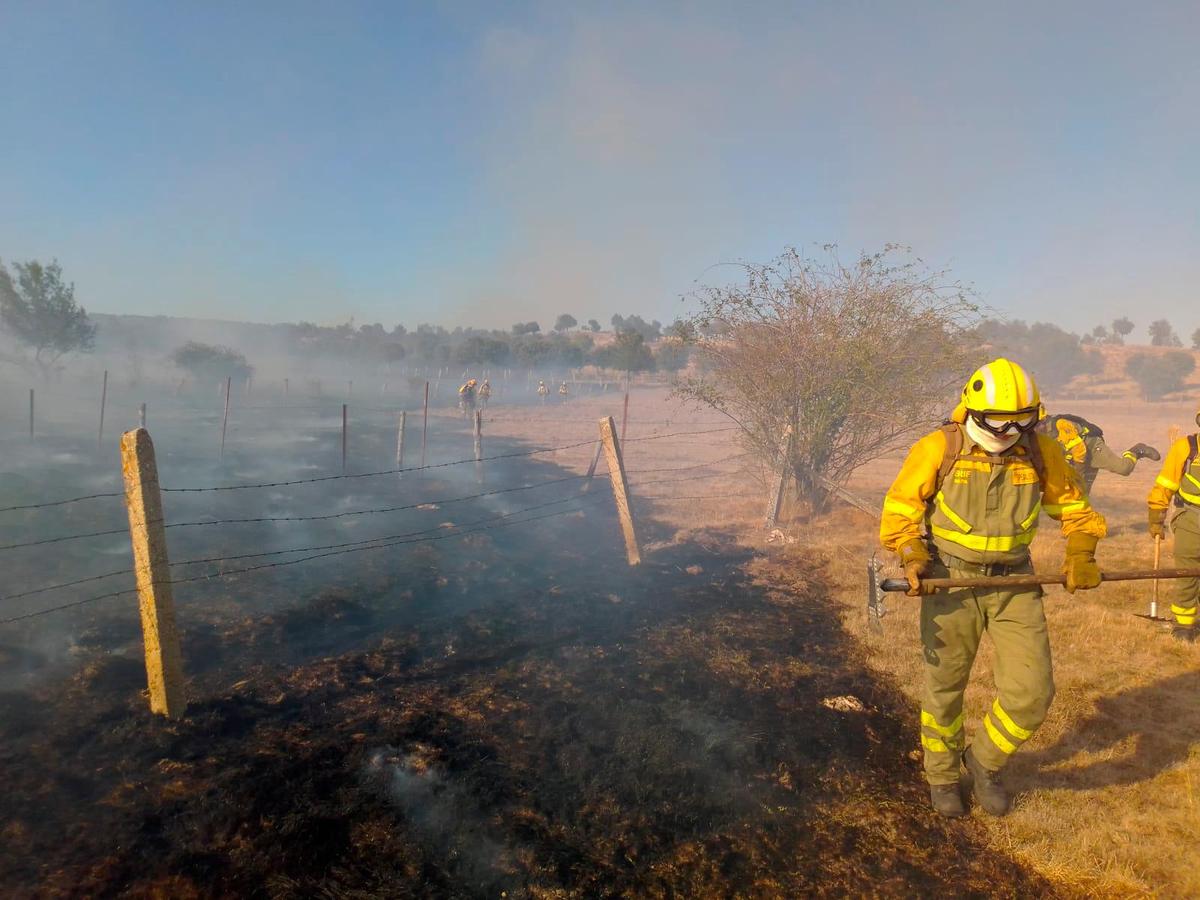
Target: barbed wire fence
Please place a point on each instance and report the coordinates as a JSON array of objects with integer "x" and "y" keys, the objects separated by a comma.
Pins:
[{"x": 566, "y": 497}]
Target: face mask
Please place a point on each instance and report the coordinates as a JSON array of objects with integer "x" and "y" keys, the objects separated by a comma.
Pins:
[{"x": 992, "y": 443}]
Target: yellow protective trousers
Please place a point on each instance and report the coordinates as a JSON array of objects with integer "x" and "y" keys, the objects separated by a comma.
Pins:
[
  {"x": 952, "y": 624},
  {"x": 1185, "y": 592}
]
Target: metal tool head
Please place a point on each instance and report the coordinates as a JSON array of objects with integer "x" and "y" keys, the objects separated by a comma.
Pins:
[{"x": 876, "y": 607}]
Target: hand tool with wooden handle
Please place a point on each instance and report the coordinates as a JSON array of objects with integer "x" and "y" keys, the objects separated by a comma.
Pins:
[
  {"x": 1157, "y": 556},
  {"x": 899, "y": 585}
]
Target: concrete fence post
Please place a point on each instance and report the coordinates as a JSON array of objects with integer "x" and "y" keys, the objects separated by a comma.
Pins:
[{"x": 164, "y": 661}]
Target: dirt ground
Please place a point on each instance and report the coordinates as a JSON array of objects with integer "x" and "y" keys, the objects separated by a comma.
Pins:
[{"x": 518, "y": 713}]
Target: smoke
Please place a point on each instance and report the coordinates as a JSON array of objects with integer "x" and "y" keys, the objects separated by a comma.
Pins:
[{"x": 630, "y": 149}]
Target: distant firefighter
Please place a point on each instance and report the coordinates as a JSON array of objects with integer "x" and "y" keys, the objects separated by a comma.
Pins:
[
  {"x": 485, "y": 393},
  {"x": 543, "y": 391},
  {"x": 564, "y": 392},
  {"x": 1178, "y": 484},
  {"x": 466, "y": 397},
  {"x": 1083, "y": 443}
]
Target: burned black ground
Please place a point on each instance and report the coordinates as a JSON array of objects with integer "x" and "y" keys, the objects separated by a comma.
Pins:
[{"x": 495, "y": 713}]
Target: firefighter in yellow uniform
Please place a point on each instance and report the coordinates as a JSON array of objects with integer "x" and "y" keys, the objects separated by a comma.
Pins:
[
  {"x": 1180, "y": 480},
  {"x": 966, "y": 504},
  {"x": 1083, "y": 443}
]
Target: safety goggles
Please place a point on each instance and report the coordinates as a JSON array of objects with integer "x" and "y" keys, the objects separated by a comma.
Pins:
[{"x": 1001, "y": 424}]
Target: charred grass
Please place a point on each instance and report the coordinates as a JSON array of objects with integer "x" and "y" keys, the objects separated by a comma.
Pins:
[{"x": 536, "y": 720}]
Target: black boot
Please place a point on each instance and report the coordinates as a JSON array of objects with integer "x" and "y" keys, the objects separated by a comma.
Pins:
[
  {"x": 990, "y": 794},
  {"x": 1144, "y": 451},
  {"x": 947, "y": 800},
  {"x": 1184, "y": 633}
]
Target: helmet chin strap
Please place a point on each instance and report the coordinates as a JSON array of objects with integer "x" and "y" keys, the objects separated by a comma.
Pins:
[{"x": 992, "y": 443}]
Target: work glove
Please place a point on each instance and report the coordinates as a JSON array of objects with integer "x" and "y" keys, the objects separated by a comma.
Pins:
[
  {"x": 915, "y": 558},
  {"x": 1144, "y": 451},
  {"x": 1158, "y": 519},
  {"x": 1080, "y": 563}
]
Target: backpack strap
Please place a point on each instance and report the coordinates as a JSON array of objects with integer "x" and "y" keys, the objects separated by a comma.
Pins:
[
  {"x": 954, "y": 444},
  {"x": 1034, "y": 448},
  {"x": 1193, "y": 452}
]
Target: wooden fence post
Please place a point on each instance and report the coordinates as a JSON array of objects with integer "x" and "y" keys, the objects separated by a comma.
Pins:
[
  {"x": 624, "y": 415},
  {"x": 225, "y": 418},
  {"x": 400, "y": 440},
  {"x": 620, "y": 487},
  {"x": 425, "y": 424},
  {"x": 479, "y": 446},
  {"x": 164, "y": 662},
  {"x": 142, "y": 415},
  {"x": 31, "y": 413},
  {"x": 343, "y": 437},
  {"x": 103, "y": 403}
]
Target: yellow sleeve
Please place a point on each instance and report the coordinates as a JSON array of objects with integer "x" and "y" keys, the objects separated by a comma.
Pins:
[
  {"x": 904, "y": 505},
  {"x": 1063, "y": 497},
  {"x": 1167, "y": 482}
]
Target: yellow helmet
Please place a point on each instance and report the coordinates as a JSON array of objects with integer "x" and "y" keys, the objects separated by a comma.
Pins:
[{"x": 1001, "y": 387}]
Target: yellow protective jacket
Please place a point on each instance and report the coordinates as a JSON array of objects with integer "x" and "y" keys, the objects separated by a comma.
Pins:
[
  {"x": 1178, "y": 478},
  {"x": 986, "y": 510}
]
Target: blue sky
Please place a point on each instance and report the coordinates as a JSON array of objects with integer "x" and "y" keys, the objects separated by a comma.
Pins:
[{"x": 489, "y": 163}]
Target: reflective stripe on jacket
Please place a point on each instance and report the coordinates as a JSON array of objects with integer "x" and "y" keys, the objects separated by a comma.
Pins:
[
  {"x": 1177, "y": 477},
  {"x": 986, "y": 511}
]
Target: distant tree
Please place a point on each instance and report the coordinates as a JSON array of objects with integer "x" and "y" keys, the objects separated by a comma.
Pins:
[
  {"x": 533, "y": 353},
  {"x": 672, "y": 356},
  {"x": 1163, "y": 335},
  {"x": 526, "y": 328},
  {"x": 1158, "y": 374},
  {"x": 1121, "y": 329},
  {"x": 628, "y": 353},
  {"x": 1053, "y": 356},
  {"x": 482, "y": 350},
  {"x": 593, "y": 326},
  {"x": 565, "y": 322},
  {"x": 648, "y": 330},
  {"x": 1099, "y": 334},
  {"x": 40, "y": 311},
  {"x": 211, "y": 361},
  {"x": 1196, "y": 339}
]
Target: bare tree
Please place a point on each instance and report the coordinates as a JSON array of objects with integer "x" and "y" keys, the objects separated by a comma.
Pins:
[{"x": 851, "y": 361}]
